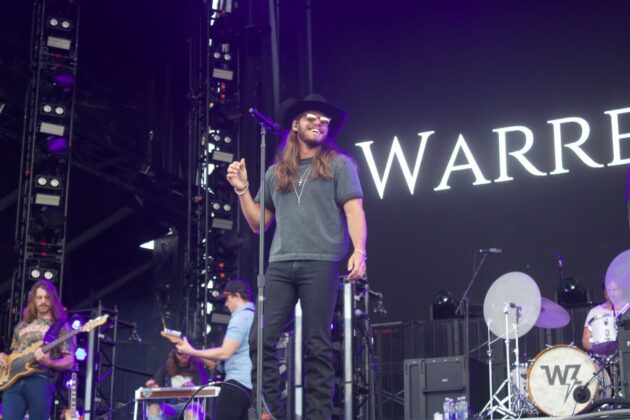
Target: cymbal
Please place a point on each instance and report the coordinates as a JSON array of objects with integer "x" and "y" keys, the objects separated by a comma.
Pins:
[
  {"x": 618, "y": 280},
  {"x": 552, "y": 315},
  {"x": 519, "y": 294}
]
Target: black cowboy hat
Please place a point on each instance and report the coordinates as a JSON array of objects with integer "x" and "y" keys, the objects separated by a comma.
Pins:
[{"x": 290, "y": 109}]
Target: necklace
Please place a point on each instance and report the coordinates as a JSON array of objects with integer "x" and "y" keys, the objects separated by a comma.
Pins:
[{"x": 301, "y": 183}]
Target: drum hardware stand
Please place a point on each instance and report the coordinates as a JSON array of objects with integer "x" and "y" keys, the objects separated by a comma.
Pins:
[
  {"x": 464, "y": 304},
  {"x": 517, "y": 400},
  {"x": 582, "y": 394}
]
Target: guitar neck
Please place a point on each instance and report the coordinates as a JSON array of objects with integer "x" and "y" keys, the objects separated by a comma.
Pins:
[
  {"x": 59, "y": 340},
  {"x": 73, "y": 395}
]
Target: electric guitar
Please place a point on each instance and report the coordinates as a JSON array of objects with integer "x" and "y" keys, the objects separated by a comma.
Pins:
[
  {"x": 20, "y": 365},
  {"x": 71, "y": 412},
  {"x": 175, "y": 337}
]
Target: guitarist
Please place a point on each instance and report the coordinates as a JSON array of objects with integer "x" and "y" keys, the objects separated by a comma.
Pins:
[
  {"x": 234, "y": 398},
  {"x": 35, "y": 393}
]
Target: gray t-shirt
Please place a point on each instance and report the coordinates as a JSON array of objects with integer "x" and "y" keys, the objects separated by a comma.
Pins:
[{"x": 317, "y": 228}]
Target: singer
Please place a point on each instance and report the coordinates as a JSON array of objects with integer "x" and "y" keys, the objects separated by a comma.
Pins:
[{"x": 314, "y": 194}]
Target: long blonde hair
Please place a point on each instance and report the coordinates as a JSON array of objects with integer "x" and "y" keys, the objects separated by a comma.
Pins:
[{"x": 288, "y": 158}]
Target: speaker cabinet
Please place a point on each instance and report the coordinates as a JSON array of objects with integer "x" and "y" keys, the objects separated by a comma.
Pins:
[{"x": 429, "y": 381}]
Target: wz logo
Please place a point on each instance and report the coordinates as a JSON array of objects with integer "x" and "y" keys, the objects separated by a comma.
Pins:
[{"x": 562, "y": 376}]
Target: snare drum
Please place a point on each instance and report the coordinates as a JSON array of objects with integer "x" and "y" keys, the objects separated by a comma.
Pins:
[
  {"x": 555, "y": 374},
  {"x": 603, "y": 330}
]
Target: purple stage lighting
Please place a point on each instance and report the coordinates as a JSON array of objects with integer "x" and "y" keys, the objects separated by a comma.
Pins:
[
  {"x": 64, "y": 79},
  {"x": 57, "y": 145},
  {"x": 76, "y": 322},
  {"x": 80, "y": 354}
]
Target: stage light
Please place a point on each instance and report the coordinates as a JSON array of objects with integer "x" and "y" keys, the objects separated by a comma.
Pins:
[
  {"x": 570, "y": 293},
  {"x": 76, "y": 322},
  {"x": 216, "y": 206},
  {"x": 443, "y": 306},
  {"x": 65, "y": 24},
  {"x": 227, "y": 139},
  {"x": 59, "y": 110},
  {"x": 54, "y": 22},
  {"x": 227, "y": 207},
  {"x": 47, "y": 200},
  {"x": 223, "y": 74},
  {"x": 37, "y": 273},
  {"x": 59, "y": 43},
  {"x": 53, "y": 129},
  {"x": 209, "y": 308},
  {"x": 80, "y": 354},
  {"x": 223, "y": 156},
  {"x": 148, "y": 245},
  {"x": 223, "y": 224},
  {"x": 48, "y": 181},
  {"x": 64, "y": 79},
  {"x": 47, "y": 108},
  {"x": 208, "y": 329},
  {"x": 57, "y": 145}
]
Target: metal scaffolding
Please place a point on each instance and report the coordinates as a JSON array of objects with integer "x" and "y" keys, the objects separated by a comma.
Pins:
[
  {"x": 213, "y": 144},
  {"x": 40, "y": 236}
]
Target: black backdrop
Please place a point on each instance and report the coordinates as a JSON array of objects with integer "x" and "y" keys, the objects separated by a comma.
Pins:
[{"x": 460, "y": 68}]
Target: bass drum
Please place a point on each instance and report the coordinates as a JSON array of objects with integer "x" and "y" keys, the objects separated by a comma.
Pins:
[{"x": 555, "y": 374}]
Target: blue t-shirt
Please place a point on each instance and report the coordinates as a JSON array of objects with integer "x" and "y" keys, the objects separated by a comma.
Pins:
[
  {"x": 239, "y": 366},
  {"x": 310, "y": 220}
]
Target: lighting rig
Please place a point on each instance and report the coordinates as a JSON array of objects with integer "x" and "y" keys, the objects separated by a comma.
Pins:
[
  {"x": 214, "y": 129},
  {"x": 40, "y": 236}
]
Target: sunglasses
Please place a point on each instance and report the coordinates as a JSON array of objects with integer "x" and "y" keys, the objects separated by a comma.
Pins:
[{"x": 312, "y": 118}]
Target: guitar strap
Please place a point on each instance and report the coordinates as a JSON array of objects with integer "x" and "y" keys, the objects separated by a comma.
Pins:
[{"x": 53, "y": 331}]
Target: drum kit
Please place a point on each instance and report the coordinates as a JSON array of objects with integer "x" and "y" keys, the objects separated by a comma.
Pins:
[{"x": 562, "y": 380}]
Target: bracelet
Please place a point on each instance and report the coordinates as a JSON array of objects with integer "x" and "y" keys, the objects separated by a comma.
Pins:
[
  {"x": 362, "y": 252},
  {"x": 243, "y": 191}
]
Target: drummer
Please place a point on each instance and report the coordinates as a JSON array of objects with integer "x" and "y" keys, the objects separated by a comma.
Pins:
[{"x": 600, "y": 323}]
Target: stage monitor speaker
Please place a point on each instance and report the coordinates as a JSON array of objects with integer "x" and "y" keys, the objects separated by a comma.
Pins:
[
  {"x": 623, "y": 339},
  {"x": 429, "y": 381}
]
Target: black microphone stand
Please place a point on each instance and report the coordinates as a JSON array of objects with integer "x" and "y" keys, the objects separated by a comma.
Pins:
[
  {"x": 265, "y": 124},
  {"x": 464, "y": 303}
]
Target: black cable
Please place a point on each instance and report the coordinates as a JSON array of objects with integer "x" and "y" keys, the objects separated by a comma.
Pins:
[
  {"x": 115, "y": 409},
  {"x": 189, "y": 400},
  {"x": 618, "y": 402}
]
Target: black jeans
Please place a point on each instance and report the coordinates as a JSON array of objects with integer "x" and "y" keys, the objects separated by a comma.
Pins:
[
  {"x": 316, "y": 284},
  {"x": 233, "y": 401}
]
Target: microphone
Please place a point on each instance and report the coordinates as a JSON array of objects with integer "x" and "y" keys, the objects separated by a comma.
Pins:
[
  {"x": 375, "y": 295},
  {"x": 265, "y": 120},
  {"x": 134, "y": 336},
  {"x": 490, "y": 251},
  {"x": 560, "y": 260}
]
